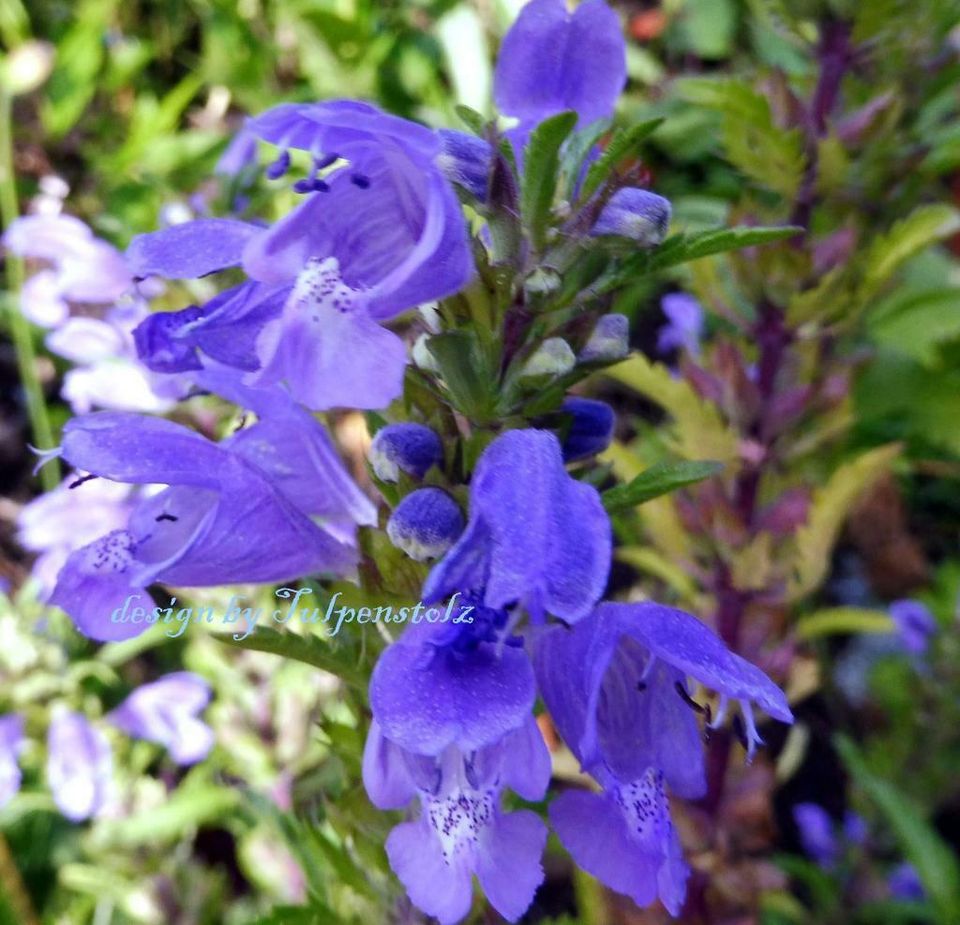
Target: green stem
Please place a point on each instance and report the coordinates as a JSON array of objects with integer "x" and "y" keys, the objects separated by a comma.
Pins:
[{"x": 20, "y": 332}]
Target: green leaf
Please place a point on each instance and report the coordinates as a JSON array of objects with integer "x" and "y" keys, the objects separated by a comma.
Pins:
[
  {"x": 623, "y": 145},
  {"x": 463, "y": 366},
  {"x": 307, "y": 649},
  {"x": 682, "y": 248},
  {"x": 834, "y": 620},
  {"x": 471, "y": 119},
  {"x": 188, "y": 807},
  {"x": 831, "y": 505},
  {"x": 935, "y": 862},
  {"x": 708, "y": 27},
  {"x": 771, "y": 156},
  {"x": 541, "y": 160},
  {"x": 920, "y": 324},
  {"x": 658, "y": 480}
]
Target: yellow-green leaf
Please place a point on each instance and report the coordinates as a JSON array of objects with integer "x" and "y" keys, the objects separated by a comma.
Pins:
[
  {"x": 834, "y": 620},
  {"x": 831, "y": 506},
  {"x": 699, "y": 432}
]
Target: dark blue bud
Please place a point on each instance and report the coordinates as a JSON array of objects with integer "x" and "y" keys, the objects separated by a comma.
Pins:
[
  {"x": 158, "y": 345},
  {"x": 410, "y": 448},
  {"x": 279, "y": 167},
  {"x": 591, "y": 429},
  {"x": 425, "y": 524},
  {"x": 465, "y": 160},
  {"x": 635, "y": 213}
]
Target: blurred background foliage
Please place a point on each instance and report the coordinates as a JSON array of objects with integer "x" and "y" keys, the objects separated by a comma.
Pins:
[{"x": 132, "y": 102}]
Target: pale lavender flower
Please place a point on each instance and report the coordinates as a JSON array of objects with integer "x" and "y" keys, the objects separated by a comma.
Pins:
[
  {"x": 11, "y": 744},
  {"x": 915, "y": 625},
  {"x": 166, "y": 712},
  {"x": 684, "y": 329},
  {"x": 79, "y": 765}
]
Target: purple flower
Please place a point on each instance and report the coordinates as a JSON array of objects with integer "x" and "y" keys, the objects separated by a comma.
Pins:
[
  {"x": 855, "y": 829},
  {"x": 80, "y": 268},
  {"x": 79, "y": 766},
  {"x": 817, "y": 833},
  {"x": 166, "y": 712},
  {"x": 406, "y": 447},
  {"x": 453, "y": 683},
  {"x": 224, "y": 330},
  {"x": 425, "y": 524},
  {"x": 328, "y": 343},
  {"x": 553, "y": 60},
  {"x": 63, "y": 520},
  {"x": 684, "y": 329},
  {"x": 11, "y": 743},
  {"x": 536, "y": 538},
  {"x": 234, "y": 512},
  {"x": 616, "y": 687},
  {"x": 904, "y": 883},
  {"x": 915, "y": 625},
  {"x": 591, "y": 428},
  {"x": 462, "y": 830}
]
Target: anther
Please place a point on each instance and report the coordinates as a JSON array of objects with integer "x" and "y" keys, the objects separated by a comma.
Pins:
[
  {"x": 358, "y": 179},
  {"x": 170, "y": 517},
  {"x": 83, "y": 478},
  {"x": 686, "y": 698},
  {"x": 279, "y": 167},
  {"x": 322, "y": 163},
  {"x": 641, "y": 686}
]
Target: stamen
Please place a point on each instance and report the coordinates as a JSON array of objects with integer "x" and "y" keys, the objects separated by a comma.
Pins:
[
  {"x": 83, "y": 478},
  {"x": 279, "y": 167},
  {"x": 169, "y": 517},
  {"x": 686, "y": 698},
  {"x": 721, "y": 713},
  {"x": 740, "y": 732},
  {"x": 358, "y": 179},
  {"x": 753, "y": 737},
  {"x": 44, "y": 456}
]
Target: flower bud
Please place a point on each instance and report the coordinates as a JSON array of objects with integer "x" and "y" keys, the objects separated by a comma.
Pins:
[
  {"x": 591, "y": 430},
  {"x": 609, "y": 342},
  {"x": 465, "y": 160},
  {"x": 552, "y": 358},
  {"x": 635, "y": 213},
  {"x": 410, "y": 448},
  {"x": 425, "y": 524}
]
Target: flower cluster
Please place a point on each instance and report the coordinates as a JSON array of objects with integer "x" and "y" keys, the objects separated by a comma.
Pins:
[
  {"x": 486, "y": 416},
  {"x": 79, "y": 756}
]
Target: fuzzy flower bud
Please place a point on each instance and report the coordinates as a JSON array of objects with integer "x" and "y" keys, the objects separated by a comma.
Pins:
[
  {"x": 410, "y": 448},
  {"x": 637, "y": 214},
  {"x": 425, "y": 524}
]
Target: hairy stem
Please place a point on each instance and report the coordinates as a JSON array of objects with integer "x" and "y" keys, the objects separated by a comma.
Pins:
[{"x": 19, "y": 327}]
